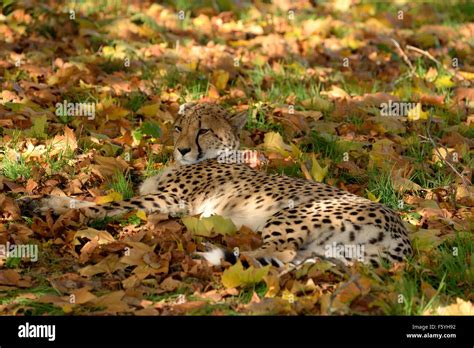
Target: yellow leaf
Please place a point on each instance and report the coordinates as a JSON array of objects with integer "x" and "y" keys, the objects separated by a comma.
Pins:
[
  {"x": 142, "y": 215},
  {"x": 336, "y": 93},
  {"x": 425, "y": 39},
  {"x": 295, "y": 151},
  {"x": 288, "y": 296},
  {"x": 111, "y": 197},
  {"x": 67, "y": 308},
  {"x": 461, "y": 307},
  {"x": 209, "y": 226},
  {"x": 352, "y": 43},
  {"x": 108, "y": 51},
  {"x": 220, "y": 79},
  {"x": 372, "y": 197},
  {"x": 417, "y": 113},
  {"x": 273, "y": 285},
  {"x": 192, "y": 65},
  {"x": 274, "y": 142},
  {"x": 236, "y": 276},
  {"x": 116, "y": 112},
  {"x": 467, "y": 75},
  {"x": 444, "y": 81},
  {"x": 149, "y": 110},
  {"x": 117, "y": 52},
  {"x": 317, "y": 172},
  {"x": 38, "y": 128},
  {"x": 426, "y": 240},
  {"x": 179, "y": 245},
  {"x": 440, "y": 155}
]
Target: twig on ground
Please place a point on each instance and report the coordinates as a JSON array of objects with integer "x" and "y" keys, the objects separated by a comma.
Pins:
[
  {"x": 425, "y": 53},
  {"x": 404, "y": 56},
  {"x": 438, "y": 63},
  {"x": 466, "y": 182}
]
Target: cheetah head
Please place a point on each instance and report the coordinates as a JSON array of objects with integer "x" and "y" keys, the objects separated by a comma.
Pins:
[{"x": 202, "y": 131}]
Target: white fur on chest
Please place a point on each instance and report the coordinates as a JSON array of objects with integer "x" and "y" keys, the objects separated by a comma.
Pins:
[{"x": 241, "y": 215}]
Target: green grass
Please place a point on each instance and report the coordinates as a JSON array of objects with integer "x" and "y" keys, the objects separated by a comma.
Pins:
[
  {"x": 276, "y": 87},
  {"x": 59, "y": 162},
  {"x": 152, "y": 159},
  {"x": 381, "y": 185},
  {"x": 326, "y": 145},
  {"x": 195, "y": 85},
  {"x": 432, "y": 178},
  {"x": 16, "y": 170},
  {"x": 413, "y": 301},
  {"x": 132, "y": 220},
  {"x": 33, "y": 307},
  {"x": 245, "y": 295},
  {"x": 210, "y": 309},
  {"x": 449, "y": 271},
  {"x": 289, "y": 170},
  {"x": 456, "y": 260},
  {"x": 111, "y": 7},
  {"x": 172, "y": 295},
  {"x": 100, "y": 224},
  {"x": 355, "y": 120},
  {"x": 257, "y": 120},
  {"x": 420, "y": 152},
  {"x": 121, "y": 183},
  {"x": 136, "y": 101}
]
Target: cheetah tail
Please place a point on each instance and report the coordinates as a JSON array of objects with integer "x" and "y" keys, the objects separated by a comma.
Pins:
[
  {"x": 215, "y": 255},
  {"x": 60, "y": 204}
]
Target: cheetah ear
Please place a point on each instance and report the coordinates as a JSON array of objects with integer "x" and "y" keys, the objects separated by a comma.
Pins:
[
  {"x": 238, "y": 121},
  {"x": 184, "y": 107}
]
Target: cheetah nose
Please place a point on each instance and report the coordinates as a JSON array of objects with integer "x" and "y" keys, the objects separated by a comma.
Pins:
[{"x": 184, "y": 151}]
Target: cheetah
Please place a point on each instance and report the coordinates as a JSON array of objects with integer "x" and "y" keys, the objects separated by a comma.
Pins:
[{"x": 297, "y": 218}]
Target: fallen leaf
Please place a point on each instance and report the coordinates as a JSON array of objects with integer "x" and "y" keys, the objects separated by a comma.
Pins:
[
  {"x": 461, "y": 307},
  {"x": 111, "y": 197},
  {"x": 235, "y": 275},
  {"x": 209, "y": 226},
  {"x": 318, "y": 173},
  {"x": 273, "y": 141},
  {"x": 220, "y": 78},
  {"x": 417, "y": 113}
]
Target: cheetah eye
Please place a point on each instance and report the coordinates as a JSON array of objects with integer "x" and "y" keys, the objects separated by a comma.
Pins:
[
  {"x": 177, "y": 129},
  {"x": 203, "y": 131}
]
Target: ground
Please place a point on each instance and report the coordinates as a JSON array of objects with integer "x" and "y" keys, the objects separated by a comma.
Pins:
[{"x": 372, "y": 97}]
